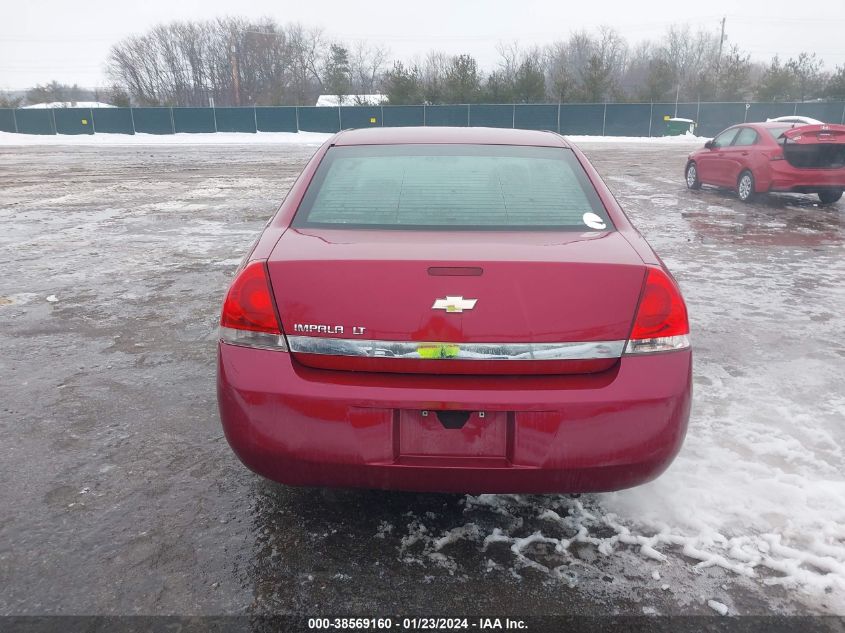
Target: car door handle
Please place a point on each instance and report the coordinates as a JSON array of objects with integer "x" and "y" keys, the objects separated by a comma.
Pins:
[{"x": 745, "y": 153}]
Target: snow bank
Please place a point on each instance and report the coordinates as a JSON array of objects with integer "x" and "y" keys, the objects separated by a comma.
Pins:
[
  {"x": 219, "y": 138},
  {"x": 332, "y": 101},
  {"x": 683, "y": 139},
  {"x": 68, "y": 104}
]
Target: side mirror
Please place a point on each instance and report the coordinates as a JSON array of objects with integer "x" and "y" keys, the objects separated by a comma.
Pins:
[{"x": 709, "y": 145}]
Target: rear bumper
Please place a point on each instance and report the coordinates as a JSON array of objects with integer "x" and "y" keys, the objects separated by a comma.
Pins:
[
  {"x": 579, "y": 433},
  {"x": 785, "y": 177}
]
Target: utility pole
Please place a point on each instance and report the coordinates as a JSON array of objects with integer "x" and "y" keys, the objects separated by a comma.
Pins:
[
  {"x": 677, "y": 96},
  {"x": 236, "y": 82},
  {"x": 721, "y": 42}
]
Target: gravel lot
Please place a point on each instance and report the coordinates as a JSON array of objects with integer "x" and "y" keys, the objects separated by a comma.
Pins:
[{"x": 121, "y": 496}]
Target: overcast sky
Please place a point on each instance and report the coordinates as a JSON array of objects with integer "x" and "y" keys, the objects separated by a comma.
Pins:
[{"x": 41, "y": 40}]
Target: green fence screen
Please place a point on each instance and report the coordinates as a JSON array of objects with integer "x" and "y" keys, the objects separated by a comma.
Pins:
[
  {"x": 627, "y": 119},
  {"x": 715, "y": 117},
  {"x": 113, "y": 120},
  {"x": 194, "y": 120},
  {"x": 35, "y": 121},
  {"x": 153, "y": 120},
  {"x": 762, "y": 111},
  {"x": 491, "y": 116},
  {"x": 360, "y": 116},
  {"x": 404, "y": 116},
  {"x": 582, "y": 118},
  {"x": 7, "y": 120},
  {"x": 276, "y": 119},
  {"x": 236, "y": 120},
  {"x": 829, "y": 112},
  {"x": 455, "y": 115},
  {"x": 612, "y": 119},
  {"x": 73, "y": 121},
  {"x": 314, "y": 119},
  {"x": 536, "y": 117}
]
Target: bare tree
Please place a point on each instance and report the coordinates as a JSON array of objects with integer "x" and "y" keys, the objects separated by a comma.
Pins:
[
  {"x": 693, "y": 58},
  {"x": 232, "y": 60},
  {"x": 521, "y": 76},
  {"x": 305, "y": 47},
  {"x": 434, "y": 76},
  {"x": 367, "y": 65},
  {"x": 560, "y": 75},
  {"x": 8, "y": 100},
  {"x": 586, "y": 67}
]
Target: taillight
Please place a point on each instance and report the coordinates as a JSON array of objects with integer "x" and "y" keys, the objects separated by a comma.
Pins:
[
  {"x": 661, "y": 323},
  {"x": 249, "y": 313}
]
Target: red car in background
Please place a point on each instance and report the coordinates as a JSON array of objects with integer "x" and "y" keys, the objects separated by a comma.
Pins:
[
  {"x": 756, "y": 158},
  {"x": 453, "y": 309}
]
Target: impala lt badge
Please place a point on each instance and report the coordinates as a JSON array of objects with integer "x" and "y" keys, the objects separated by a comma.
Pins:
[
  {"x": 454, "y": 304},
  {"x": 314, "y": 328}
]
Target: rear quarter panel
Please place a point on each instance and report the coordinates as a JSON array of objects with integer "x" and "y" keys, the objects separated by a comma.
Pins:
[
  {"x": 279, "y": 223},
  {"x": 617, "y": 214}
]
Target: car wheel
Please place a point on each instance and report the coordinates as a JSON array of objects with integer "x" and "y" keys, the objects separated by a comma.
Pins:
[
  {"x": 692, "y": 177},
  {"x": 829, "y": 197},
  {"x": 745, "y": 186}
]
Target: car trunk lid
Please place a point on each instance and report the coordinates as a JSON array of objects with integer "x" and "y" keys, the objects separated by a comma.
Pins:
[
  {"x": 815, "y": 146},
  {"x": 456, "y": 302}
]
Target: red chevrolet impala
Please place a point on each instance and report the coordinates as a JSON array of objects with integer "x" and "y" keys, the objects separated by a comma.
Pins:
[
  {"x": 774, "y": 156},
  {"x": 453, "y": 309}
]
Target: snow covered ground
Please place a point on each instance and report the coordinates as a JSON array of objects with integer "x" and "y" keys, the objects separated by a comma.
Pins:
[
  {"x": 218, "y": 138},
  {"x": 122, "y": 256}
]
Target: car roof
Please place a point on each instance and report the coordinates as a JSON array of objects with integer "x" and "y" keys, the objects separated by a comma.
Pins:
[
  {"x": 446, "y": 135},
  {"x": 766, "y": 125}
]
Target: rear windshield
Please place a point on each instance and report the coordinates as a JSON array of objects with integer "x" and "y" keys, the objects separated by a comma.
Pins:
[{"x": 452, "y": 187}]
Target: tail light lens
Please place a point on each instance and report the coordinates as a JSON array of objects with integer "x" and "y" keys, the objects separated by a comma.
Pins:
[
  {"x": 249, "y": 311},
  {"x": 661, "y": 323}
]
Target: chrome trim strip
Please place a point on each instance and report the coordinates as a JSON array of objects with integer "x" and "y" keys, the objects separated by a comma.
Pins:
[{"x": 455, "y": 351}]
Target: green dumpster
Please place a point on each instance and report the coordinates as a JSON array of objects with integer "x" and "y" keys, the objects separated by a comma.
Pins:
[{"x": 678, "y": 127}]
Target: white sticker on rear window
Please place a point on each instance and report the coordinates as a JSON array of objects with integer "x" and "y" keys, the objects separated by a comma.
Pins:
[{"x": 593, "y": 221}]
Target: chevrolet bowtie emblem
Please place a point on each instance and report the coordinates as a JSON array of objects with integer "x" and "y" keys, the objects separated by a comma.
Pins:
[{"x": 454, "y": 304}]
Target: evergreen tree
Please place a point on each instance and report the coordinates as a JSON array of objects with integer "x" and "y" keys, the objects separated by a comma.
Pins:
[
  {"x": 596, "y": 80},
  {"x": 462, "y": 83},
  {"x": 498, "y": 89},
  {"x": 835, "y": 87},
  {"x": 806, "y": 73},
  {"x": 660, "y": 81},
  {"x": 403, "y": 85},
  {"x": 337, "y": 77},
  {"x": 530, "y": 82},
  {"x": 733, "y": 79},
  {"x": 777, "y": 83}
]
